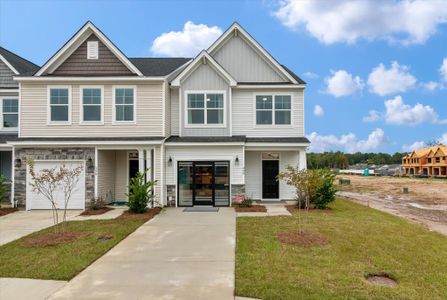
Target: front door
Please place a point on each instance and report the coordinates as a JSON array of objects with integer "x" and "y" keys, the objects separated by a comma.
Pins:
[
  {"x": 270, "y": 185},
  {"x": 203, "y": 183}
]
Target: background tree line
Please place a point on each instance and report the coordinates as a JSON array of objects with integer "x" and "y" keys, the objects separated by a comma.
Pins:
[{"x": 343, "y": 160}]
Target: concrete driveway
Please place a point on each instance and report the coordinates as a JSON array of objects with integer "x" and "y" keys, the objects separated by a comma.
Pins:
[
  {"x": 16, "y": 225},
  {"x": 177, "y": 255}
]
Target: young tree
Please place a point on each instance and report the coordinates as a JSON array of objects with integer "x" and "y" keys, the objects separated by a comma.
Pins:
[
  {"x": 140, "y": 192},
  {"x": 48, "y": 182}
]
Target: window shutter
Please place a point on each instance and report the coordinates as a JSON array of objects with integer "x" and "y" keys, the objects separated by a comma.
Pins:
[{"x": 92, "y": 50}]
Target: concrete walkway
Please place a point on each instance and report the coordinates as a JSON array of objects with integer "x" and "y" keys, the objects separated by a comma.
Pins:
[
  {"x": 26, "y": 289},
  {"x": 16, "y": 225},
  {"x": 273, "y": 209},
  {"x": 177, "y": 255}
]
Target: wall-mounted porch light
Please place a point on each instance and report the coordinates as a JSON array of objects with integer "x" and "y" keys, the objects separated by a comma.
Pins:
[
  {"x": 18, "y": 163},
  {"x": 236, "y": 161},
  {"x": 170, "y": 161},
  {"x": 89, "y": 162}
]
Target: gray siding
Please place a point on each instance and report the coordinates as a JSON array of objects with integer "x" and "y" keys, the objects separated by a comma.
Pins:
[
  {"x": 175, "y": 117},
  {"x": 204, "y": 78},
  {"x": 244, "y": 63},
  {"x": 244, "y": 114},
  {"x": 6, "y": 75},
  {"x": 106, "y": 64}
]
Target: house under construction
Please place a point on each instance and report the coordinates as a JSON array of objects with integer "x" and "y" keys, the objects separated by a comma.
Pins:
[{"x": 429, "y": 161}]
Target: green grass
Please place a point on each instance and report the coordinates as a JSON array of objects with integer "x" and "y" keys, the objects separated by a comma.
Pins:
[
  {"x": 362, "y": 240},
  {"x": 63, "y": 262}
]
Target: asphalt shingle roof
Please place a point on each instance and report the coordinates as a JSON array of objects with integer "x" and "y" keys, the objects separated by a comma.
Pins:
[
  {"x": 152, "y": 66},
  {"x": 235, "y": 138},
  {"x": 19, "y": 63}
]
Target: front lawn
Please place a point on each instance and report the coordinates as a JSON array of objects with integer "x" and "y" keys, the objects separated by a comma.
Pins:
[
  {"x": 64, "y": 261},
  {"x": 361, "y": 241}
]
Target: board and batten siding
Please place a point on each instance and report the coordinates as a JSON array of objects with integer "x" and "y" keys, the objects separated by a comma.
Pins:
[
  {"x": 244, "y": 63},
  {"x": 34, "y": 108},
  {"x": 6, "y": 75},
  {"x": 175, "y": 116},
  {"x": 253, "y": 173},
  {"x": 244, "y": 114},
  {"x": 204, "y": 78},
  {"x": 206, "y": 153}
]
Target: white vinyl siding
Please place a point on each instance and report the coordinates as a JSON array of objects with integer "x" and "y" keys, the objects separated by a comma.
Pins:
[
  {"x": 245, "y": 63},
  {"x": 253, "y": 173},
  {"x": 244, "y": 114},
  {"x": 106, "y": 175},
  {"x": 149, "y": 116}
]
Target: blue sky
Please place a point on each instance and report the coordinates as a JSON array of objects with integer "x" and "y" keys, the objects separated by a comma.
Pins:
[{"x": 374, "y": 68}]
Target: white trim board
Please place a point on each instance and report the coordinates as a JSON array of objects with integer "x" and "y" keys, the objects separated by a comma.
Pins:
[{"x": 14, "y": 70}]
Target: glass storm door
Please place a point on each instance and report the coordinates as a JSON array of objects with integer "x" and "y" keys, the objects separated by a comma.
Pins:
[{"x": 203, "y": 183}]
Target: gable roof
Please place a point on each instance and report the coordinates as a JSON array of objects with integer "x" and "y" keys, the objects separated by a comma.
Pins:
[
  {"x": 199, "y": 60},
  {"x": 269, "y": 58},
  {"x": 16, "y": 63},
  {"x": 75, "y": 41},
  {"x": 158, "y": 66}
]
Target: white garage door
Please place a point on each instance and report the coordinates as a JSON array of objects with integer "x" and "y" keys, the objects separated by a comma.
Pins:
[{"x": 36, "y": 201}]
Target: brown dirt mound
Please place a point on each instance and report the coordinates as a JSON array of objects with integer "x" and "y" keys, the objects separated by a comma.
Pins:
[
  {"x": 7, "y": 210},
  {"x": 105, "y": 237},
  {"x": 253, "y": 208},
  {"x": 382, "y": 279},
  {"x": 52, "y": 239},
  {"x": 92, "y": 212},
  {"x": 306, "y": 239},
  {"x": 149, "y": 214},
  {"x": 294, "y": 209}
]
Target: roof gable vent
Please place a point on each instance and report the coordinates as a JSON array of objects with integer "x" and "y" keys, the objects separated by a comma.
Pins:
[{"x": 92, "y": 50}]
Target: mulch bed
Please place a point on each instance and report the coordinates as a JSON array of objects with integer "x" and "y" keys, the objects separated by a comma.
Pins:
[
  {"x": 253, "y": 208},
  {"x": 146, "y": 216},
  {"x": 7, "y": 210},
  {"x": 294, "y": 209},
  {"x": 306, "y": 239},
  {"x": 52, "y": 239},
  {"x": 93, "y": 212}
]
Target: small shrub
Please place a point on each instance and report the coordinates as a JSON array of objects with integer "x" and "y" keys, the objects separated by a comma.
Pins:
[
  {"x": 325, "y": 190},
  {"x": 140, "y": 193},
  {"x": 96, "y": 203},
  {"x": 3, "y": 189},
  {"x": 248, "y": 202}
]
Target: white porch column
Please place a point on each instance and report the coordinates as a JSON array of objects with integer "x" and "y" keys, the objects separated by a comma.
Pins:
[
  {"x": 148, "y": 159},
  {"x": 302, "y": 159},
  {"x": 141, "y": 160}
]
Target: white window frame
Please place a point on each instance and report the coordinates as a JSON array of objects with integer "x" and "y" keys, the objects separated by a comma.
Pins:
[
  {"x": 13, "y": 129},
  {"x": 114, "y": 121},
  {"x": 49, "y": 88},
  {"x": 273, "y": 125},
  {"x": 81, "y": 105},
  {"x": 205, "y": 125},
  {"x": 96, "y": 44}
]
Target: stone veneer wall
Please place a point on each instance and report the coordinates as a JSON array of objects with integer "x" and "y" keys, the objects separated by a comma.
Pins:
[
  {"x": 171, "y": 192},
  {"x": 24, "y": 154},
  {"x": 237, "y": 189}
]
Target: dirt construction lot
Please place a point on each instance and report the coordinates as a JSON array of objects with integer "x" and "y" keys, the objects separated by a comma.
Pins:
[{"x": 425, "y": 203}]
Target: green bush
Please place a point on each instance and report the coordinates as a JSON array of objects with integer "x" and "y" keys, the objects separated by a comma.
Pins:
[
  {"x": 140, "y": 193},
  {"x": 3, "y": 189},
  {"x": 96, "y": 203},
  {"x": 247, "y": 202},
  {"x": 325, "y": 190}
]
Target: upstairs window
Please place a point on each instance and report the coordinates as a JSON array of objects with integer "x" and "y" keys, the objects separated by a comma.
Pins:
[
  {"x": 124, "y": 110},
  {"x": 205, "y": 109},
  {"x": 10, "y": 113},
  {"x": 273, "y": 110},
  {"x": 91, "y": 111},
  {"x": 59, "y": 105},
  {"x": 92, "y": 50}
]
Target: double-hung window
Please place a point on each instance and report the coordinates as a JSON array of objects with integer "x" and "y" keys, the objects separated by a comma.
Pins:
[
  {"x": 273, "y": 110},
  {"x": 124, "y": 99},
  {"x": 205, "y": 109},
  {"x": 91, "y": 110},
  {"x": 59, "y": 105},
  {"x": 10, "y": 113}
]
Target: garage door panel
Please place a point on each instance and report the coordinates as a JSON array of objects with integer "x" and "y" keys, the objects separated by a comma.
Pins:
[{"x": 77, "y": 201}]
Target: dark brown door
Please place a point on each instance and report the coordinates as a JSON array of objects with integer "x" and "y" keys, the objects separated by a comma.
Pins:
[{"x": 270, "y": 186}]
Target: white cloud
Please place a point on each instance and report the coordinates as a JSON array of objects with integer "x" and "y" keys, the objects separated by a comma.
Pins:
[
  {"x": 188, "y": 42},
  {"x": 405, "y": 22},
  {"x": 342, "y": 83},
  {"x": 347, "y": 142},
  {"x": 373, "y": 116},
  {"x": 311, "y": 75},
  {"x": 443, "y": 139},
  {"x": 318, "y": 110},
  {"x": 413, "y": 147},
  {"x": 383, "y": 81},
  {"x": 399, "y": 113},
  {"x": 443, "y": 69},
  {"x": 432, "y": 86}
]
